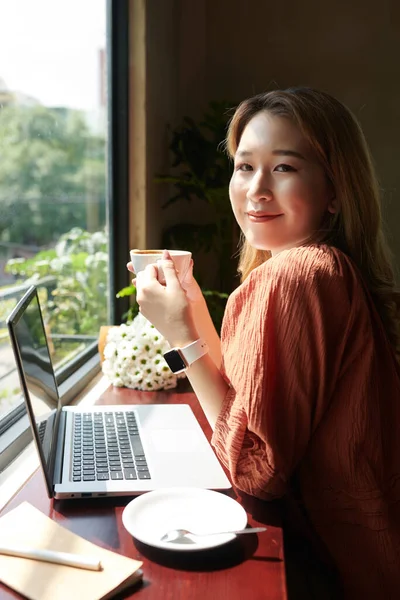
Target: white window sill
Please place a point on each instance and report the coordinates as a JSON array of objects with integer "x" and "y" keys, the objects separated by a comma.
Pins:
[{"x": 25, "y": 464}]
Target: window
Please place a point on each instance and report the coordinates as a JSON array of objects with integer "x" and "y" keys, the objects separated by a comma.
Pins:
[{"x": 59, "y": 146}]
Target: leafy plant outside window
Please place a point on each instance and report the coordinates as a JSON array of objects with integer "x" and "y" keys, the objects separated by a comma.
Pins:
[
  {"x": 52, "y": 174},
  {"x": 74, "y": 303}
]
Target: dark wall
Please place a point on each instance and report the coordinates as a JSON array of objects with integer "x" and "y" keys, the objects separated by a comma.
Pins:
[{"x": 231, "y": 49}]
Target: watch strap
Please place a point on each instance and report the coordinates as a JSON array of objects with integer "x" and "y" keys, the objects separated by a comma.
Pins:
[
  {"x": 194, "y": 351},
  {"x": 179, "y": 359}
]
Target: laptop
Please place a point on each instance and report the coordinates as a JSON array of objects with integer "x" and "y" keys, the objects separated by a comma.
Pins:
[{"x": 116, "y": 450}]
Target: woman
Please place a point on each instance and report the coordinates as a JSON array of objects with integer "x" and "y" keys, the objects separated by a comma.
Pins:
[{"x": 303, "y": 392}]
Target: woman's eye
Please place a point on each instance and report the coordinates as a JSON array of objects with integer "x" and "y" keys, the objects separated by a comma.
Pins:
[
  {"x": 284, "y": 168},
  {"x": 244, "y": 167}
]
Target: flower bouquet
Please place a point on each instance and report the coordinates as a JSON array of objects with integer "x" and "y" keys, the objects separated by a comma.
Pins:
[{"x": 133, "y": 357}]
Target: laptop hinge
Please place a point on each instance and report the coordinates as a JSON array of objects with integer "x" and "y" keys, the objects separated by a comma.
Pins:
[{"x": 60, "y": 449}]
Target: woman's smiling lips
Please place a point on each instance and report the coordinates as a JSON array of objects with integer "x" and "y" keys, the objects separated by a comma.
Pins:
[{"x": 260, "y": 217}]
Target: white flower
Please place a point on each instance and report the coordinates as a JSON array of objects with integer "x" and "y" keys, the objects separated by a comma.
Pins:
[
  {"x": 110, "y": 351},
  {"x": 134, "y": 357}
]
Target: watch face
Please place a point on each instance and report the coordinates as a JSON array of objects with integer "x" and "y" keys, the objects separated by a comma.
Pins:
[{"x": 174, "y": 361}]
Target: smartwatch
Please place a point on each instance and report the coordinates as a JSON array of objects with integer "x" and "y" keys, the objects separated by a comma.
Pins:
[{"x": 179, "y": 359}]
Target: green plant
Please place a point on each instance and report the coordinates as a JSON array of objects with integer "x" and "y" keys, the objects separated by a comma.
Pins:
[
  {"x": 133, "y": 310},
  {"x": 216, "y": 302},
  {"x": 52, "y": 174},
  {"x": 77, "y": 265},
  {"x": 201, "y": 171}
]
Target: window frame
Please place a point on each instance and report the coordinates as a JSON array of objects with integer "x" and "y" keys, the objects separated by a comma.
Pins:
[
  {"x": 118, "y": 161},
  {"x": 15, "y": 432}
]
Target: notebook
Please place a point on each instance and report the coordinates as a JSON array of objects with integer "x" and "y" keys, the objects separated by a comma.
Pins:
[
  {"x": 116, "y": 450},
  {"x": 26, "y": 526}
]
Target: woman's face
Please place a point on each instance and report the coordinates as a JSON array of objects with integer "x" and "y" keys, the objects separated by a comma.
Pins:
[{"x": 279, "y": 192}]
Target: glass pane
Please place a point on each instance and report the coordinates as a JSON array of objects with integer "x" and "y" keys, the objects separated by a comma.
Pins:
[{"x": 53, "y": 173}]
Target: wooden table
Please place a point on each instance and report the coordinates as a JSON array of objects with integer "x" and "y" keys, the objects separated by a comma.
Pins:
[{"x": 248, "y": 567}]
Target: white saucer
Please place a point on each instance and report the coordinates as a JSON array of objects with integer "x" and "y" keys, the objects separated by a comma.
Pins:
[{"x": 149, "y": 516}]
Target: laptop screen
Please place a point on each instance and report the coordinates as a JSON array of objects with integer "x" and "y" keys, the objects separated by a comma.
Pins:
[{"x": 36, "y": 372}]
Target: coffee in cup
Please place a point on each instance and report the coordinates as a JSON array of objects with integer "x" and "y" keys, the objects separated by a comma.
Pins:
[{"x": 141, "y": 258}]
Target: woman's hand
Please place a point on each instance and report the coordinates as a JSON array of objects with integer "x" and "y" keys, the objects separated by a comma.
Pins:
[
  {"x": 167, "y": 306},
  {"x": 191, "y": 287},
  {"x": 189, "y": 284}
]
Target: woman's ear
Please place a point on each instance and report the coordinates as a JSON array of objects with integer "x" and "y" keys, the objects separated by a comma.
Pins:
[{"x": 333, "y": 205}]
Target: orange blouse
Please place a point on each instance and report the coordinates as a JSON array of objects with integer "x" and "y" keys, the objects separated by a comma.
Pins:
[{"x": 315, "y": 393}]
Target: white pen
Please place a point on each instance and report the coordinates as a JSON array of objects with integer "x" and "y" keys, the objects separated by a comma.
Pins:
[{"x": 61, "y": 558}]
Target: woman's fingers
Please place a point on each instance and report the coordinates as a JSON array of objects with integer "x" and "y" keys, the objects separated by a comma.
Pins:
[
  {"x": 148, "y": 274},
  {"x": 147, "y": 277},
  {"x": 166, "y": 255}
]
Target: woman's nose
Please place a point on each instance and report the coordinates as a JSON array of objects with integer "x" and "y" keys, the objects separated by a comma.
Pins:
[{"x": 260, "y": 189}]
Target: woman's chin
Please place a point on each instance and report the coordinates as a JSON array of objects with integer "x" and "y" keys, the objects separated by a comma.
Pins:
[{"x": 258, "y": 244}]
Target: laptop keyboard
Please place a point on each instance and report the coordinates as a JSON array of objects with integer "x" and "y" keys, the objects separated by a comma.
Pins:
[
  {"x": 41, "y": 430},
  {"x": 107, "y": 446}
]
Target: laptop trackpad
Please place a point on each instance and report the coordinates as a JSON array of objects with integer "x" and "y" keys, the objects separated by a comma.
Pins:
[{"x": 175, "y": 440}]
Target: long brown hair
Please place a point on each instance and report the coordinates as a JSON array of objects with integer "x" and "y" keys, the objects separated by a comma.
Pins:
[{"x": 356, "y": 228}]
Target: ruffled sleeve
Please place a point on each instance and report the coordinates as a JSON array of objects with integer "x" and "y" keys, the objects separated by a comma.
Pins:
[{"x": 283, "y": 338}]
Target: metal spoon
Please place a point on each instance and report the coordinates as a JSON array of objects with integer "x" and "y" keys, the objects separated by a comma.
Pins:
[{"x": 177, "y": 535}]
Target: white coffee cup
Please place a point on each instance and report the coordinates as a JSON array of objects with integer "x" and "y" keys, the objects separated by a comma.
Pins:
[{"x": 141, "y": 258}]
